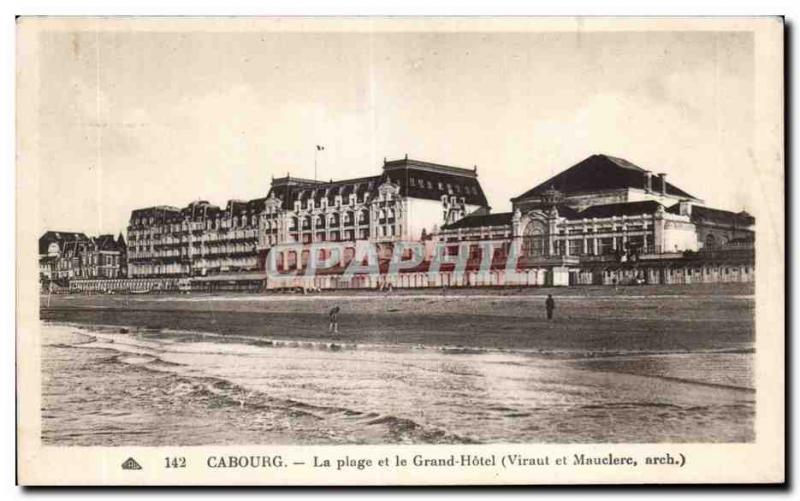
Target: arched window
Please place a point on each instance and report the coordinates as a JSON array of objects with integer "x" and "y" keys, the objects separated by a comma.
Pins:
[{"x": 534, "y": 239}]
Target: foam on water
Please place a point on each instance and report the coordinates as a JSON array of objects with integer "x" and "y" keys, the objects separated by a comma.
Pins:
[{"x": 405, "y": 393}]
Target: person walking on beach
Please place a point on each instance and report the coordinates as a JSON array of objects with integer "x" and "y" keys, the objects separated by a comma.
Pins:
[
  {"x": 334, "y": 318},
  {"x": 550, "y": 305}
]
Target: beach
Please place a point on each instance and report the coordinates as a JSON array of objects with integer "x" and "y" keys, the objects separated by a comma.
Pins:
[{"x": 634, "y": 365}]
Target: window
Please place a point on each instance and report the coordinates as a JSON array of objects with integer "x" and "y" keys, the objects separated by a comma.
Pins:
[
  {"x": 411, "y": 182},
  {"x": 575, "y": 247},
  {"x": 605, "y": 245},
  {"x": 534, "y": 239}
]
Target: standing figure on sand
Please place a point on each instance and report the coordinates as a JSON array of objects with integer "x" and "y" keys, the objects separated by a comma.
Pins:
[
  {"x": 550, "y": 305},
  {"x": 334, "y": 320}
]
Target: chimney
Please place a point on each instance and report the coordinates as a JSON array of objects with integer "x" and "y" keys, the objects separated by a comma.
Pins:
[
  {"x": 648, "y": 181},
  {"x": 685, "y": 208},
  {"x": 663, "y": 177}
]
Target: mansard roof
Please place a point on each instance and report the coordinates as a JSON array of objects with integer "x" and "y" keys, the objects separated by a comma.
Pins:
[
  {"x": 317, "y": 190},
  {"x": 59, "y": 237},
  {"x": 477, "y": 221},
  {"x": 416, "y": 179},
  {"x": 599, "y": 173},
  {"x": 702, "y": 214},
  {"x": 105, "y": 242},
  {"x": 430, "y": 181},
  {"x": 618, "y": 209},
  {"x": 199, "y": 209},
  {"x": 160, "y": 213}
]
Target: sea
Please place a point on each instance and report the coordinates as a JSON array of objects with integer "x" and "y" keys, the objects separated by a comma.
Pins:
[{"x": 112, "y": 386}]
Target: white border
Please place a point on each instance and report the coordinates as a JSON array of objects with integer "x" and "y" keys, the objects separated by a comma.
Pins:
[{"x": 232, "y": 7}]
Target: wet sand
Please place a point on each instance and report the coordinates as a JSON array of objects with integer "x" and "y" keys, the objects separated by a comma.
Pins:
[
  {"x": 590, "y": 320},
  {"x": 413, "y": 368}
]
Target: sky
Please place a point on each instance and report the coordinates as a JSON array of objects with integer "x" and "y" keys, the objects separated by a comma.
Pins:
[{"x": 133, "y": 119}]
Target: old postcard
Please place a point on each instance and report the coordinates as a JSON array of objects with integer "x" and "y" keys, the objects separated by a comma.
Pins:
[{"x": 400, "y": 251}]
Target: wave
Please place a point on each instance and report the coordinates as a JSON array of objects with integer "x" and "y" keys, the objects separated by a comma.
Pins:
[{"x": 229, "y": 394}]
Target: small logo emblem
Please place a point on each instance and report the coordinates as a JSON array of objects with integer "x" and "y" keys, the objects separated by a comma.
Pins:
[{"x": 131, "y": 464}]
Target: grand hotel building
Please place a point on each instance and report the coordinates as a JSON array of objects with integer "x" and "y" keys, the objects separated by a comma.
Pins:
[
  {"x": 408, "y": 200},
  {"x": 602, "y": 220}
]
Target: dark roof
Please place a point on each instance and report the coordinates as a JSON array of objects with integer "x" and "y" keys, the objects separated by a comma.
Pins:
[
  {"x": 160, "y": 214},
  {"x": 499, "y": 219},
  {"x": 75, "y": 243},
  {"x": 602, "y": 172},
  {"x": 619, "y": 209},
  {"x": 289, "y": 192},
  {"x": 567, "y": 211},
  {"x": 60, "y": 237},
  {"x": 198, "y": 210},
  {"x": 432, "y": 181},
  {"x": 416, "y": 179},
  {"x": 106, "y": 243},
  {"x": 702, "y": 214}
]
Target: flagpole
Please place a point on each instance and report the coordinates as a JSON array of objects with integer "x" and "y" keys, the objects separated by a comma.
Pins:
[{"x": 316, "y": 152}]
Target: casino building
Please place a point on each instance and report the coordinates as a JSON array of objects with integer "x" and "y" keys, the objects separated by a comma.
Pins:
[{"x": 606, "y": 220}]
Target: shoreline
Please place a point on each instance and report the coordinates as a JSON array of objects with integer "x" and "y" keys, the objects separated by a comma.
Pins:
[
  {"x": 140, "y": 386},
  {"x": 333, "y": 345},
  {"x": 583, "y": 325}
]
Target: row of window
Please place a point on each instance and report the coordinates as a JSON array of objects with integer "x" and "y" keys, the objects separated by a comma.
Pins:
[
  {"x": 602, "y": 229},
  {"x": 451, "y": 188},
  {"x": 215, "y": 223},
  {"x": 309, "y": 203},
  {"x": 537, "y": 245}
]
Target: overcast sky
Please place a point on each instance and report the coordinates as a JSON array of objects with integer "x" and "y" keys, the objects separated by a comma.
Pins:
[{"x": 131, "y": 120}]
